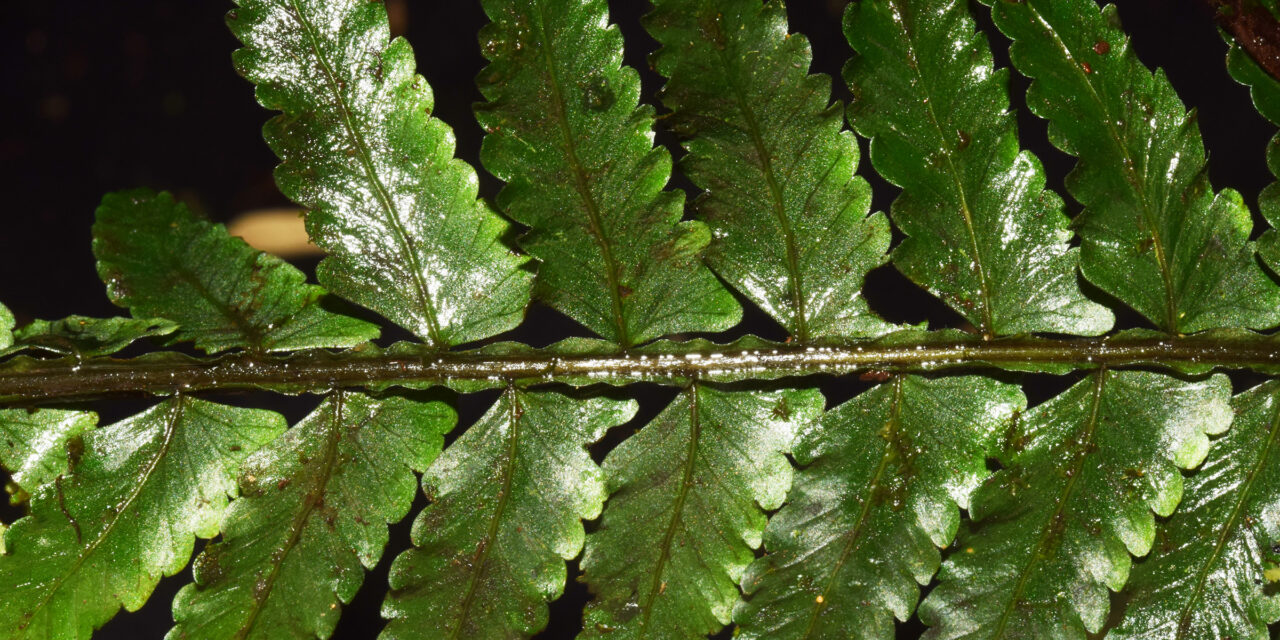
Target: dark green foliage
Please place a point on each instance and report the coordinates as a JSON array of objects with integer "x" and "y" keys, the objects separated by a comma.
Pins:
[
  {"x": 787, "y": 215},
  {"x": 565, "y": 132},
  {"x": 883, "y": 476},
  {"x": 747, "y": 500},
  {"x": 983, "y": 234},
  {"x": 1153, "y": 233}
]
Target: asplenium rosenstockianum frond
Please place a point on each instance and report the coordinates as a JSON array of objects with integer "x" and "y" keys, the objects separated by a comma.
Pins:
[{"x": 806, "y": 488}]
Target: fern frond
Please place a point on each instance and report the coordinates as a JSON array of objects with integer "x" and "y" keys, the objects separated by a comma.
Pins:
[
  {"x": 38, "y": 446},
  {"x": 693, "y": 484},
  {"x": 159, "y": 260},
  {"x": 577, "y": 153},
  {"x": 1054, "y": 529},
  {"x": 788, "y": 217},
  {"x": 881, "y": 477},
  {"x": 1213, "y": 569},
  {"x": 395, "y": 211},
  {"x": 138, "y": 494},
  {"x": 983, "y": 234},
  {"x": 1153, "y": 234},
  {"x": 311, "y": 519},
  {"x": 507, "y": 502}
]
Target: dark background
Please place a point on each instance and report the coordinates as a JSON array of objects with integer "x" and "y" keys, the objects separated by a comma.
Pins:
[{"x": 100, "y": 96}]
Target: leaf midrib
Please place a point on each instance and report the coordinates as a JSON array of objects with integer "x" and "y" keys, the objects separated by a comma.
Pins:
[
  {"x": 380, "y": 191},
  {"x": 984, "y": 288},
  {"x": 1229, "y": 527},
  {"x": 595, "y": 223},
  {"x": 893, "y": 423},
  {"x": 514, "y": 415},
  {"x": 677, "y": 509},
  {"x": 778, "y": 204},
  {"x": 1157, "y": 242},
  {"x": 175, "y": 415},
  {"x": 1048, "y": 533},
  {"x": 300, "y": 518}
]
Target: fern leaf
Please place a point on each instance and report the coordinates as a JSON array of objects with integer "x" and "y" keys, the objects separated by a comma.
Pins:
[
  {"x": 87, "y": 337},
  {"x": 686, "y": 508},
  {"x": 1212, "y": 571},
  {"x": 6, "y": 327},
  {"x": 311, "y": 519},
  {"x": 127, "y": 514},
  {"x": 507, "y": 501},
  {"x": 1054, "y": 529},
  {"x": 881, "y": 479},
  {"x": 788, "y": 216},
  {"x": 160, "y": 260},
  {"x": 983, "y": 233},
  {"x": 395, "y": 211},
  {"x": 1153, "y": 234},
  {"x": 38, "y": 446},
  {"x": 577, "y": 153}
]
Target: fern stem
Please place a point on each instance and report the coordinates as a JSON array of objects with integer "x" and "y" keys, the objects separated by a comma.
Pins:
[{"x": 24, "y": 380}]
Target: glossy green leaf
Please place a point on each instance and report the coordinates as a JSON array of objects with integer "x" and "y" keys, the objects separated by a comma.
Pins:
[
  {"x": 983, "y": 234},
  {"x": 396, "y": 212},
  {"x": 788, "y": 217},
  {"x": 86, "y": 337},
  {"x": 311, "y": 519},
  {"x": 881, "y": 477},
  {"x": 507, "y": 501},
  {"x": 159, "y": 260},
  {"x": 127, "y": 515},
  {"x": 1054, "y": 529},
  {"x": 6, "y": 327},
  {"x": 686, "y": 508},
  {"x": 1213, "y": 569},
  {"x": 1153, "y": 234},
  {"x": 38, "y": 446},
  {"x": 565, "y": 132}
]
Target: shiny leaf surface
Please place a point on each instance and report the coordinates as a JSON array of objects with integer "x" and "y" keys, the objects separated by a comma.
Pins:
[
  {"x": 1213, "y": 569},
  {"x": 686, "y": 508},
  {"x": 85, "y": 337},
  {"x": 311, "y": 519},
  {"x": 881, "y": 477},
  {"x": 128, "y": 514},
  {"x": 1053, "y": 530},
  {"x": 159, "y": 260},
  {"x": 507, "y": 502},
  {"x": 1153, "y": 233},
  {"x": 386, "y": 199},
  {"x": 38, "y": 446},
  {"x": 983, "y": 234},
  {"x": 566, "y": 134},
  {"x": 788, "y": 217}
]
